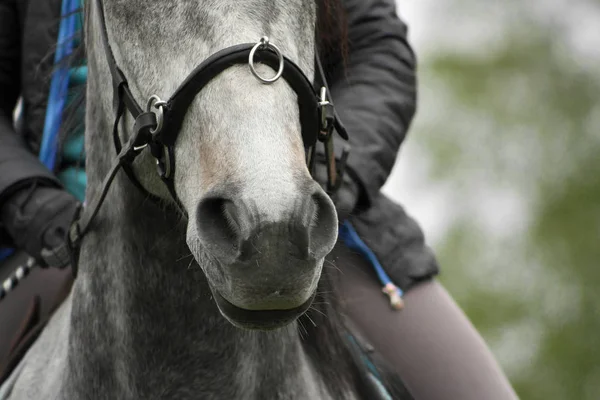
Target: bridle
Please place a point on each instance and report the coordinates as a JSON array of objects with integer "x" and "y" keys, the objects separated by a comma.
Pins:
[{"x": 157, "y": 126}]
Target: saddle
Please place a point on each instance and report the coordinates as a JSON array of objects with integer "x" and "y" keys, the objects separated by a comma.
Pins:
[{"x": 26, "y": 310}]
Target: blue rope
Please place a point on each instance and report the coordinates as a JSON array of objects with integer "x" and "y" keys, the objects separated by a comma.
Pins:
[
  {"x": 59, "y": 84},
  {"x": 5, "y": 253},
  {"x": 351, "y": 239},
  {"x": 58, "y": 92}
]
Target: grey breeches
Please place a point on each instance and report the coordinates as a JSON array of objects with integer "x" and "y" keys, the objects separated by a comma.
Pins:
[{"x": 431, "y": 343}]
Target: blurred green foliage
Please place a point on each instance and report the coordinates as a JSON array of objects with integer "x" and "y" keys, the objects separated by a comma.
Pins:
[{"x": 519, "y": 123}]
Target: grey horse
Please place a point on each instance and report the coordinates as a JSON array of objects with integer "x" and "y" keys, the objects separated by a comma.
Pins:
[{"x": 141, "y": 321}]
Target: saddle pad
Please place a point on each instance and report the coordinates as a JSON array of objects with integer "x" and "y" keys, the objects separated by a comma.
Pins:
[
  {"x": 26, "y": 310},
  {"x": 378, "y": 377}
]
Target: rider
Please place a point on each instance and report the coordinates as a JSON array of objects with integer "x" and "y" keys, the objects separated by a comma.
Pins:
[{"x": 374, "y": 89}]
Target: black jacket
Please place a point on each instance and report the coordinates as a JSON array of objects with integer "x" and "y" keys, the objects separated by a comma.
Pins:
[{"x": 374, "y": 93}]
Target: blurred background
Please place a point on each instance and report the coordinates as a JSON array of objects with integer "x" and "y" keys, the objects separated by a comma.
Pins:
[{"x": 502, "y": 169}]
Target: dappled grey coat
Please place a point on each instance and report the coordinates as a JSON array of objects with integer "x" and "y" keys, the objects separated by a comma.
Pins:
[{"x": 374, "y": 91}]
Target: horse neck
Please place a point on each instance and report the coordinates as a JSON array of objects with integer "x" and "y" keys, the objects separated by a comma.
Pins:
[{"x": 143, "y": 318}]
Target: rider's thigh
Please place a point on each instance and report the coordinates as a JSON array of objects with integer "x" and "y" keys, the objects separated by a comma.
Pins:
[{"x": 432, "y": 344}]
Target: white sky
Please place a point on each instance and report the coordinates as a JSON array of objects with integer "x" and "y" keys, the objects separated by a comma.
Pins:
[{"x": 434, "y": 25}]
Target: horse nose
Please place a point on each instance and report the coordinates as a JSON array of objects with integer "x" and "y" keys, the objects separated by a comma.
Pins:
[{"x": 233, "y": 230}]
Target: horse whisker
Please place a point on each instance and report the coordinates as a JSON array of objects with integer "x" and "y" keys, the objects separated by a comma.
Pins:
[
  {"x": 319, "y": 311},
  {"x": 301, "y": 325},
  {"x": 190, "y": 264},
  {"x": 184, "y": 257},
  {"x": 311, "y": 320}
]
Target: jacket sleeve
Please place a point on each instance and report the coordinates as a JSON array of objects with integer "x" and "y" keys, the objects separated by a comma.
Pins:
[
  {"x": 19, "y": 167},
  {"x": 18, "y": 164},
  {"x": 375, "y": 91}
]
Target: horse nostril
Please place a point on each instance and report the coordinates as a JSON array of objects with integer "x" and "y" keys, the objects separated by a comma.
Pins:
[
  {"x": 323, "y": 226},
  {"x": 219, "y": 227},
  {"x": 231, "y": 232}
]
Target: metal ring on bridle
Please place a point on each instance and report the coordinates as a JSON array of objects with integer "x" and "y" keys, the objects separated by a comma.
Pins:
[
  {"x": 264, "y": 44},
  {"x": 158, "y": 104}
]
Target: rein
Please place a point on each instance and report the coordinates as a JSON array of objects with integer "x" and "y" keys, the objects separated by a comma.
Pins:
[{"x": 158, "y": 125}]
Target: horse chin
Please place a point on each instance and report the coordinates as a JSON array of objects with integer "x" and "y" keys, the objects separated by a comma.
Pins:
[{"x": 263, "y": 320}]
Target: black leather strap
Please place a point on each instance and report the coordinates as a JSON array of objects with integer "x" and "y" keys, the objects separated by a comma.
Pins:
[
  {"x": 179, "y": 103},
  {"x": 121, "y": 92},
  {"x": 320, "y": 79},
  {"x": 147, "y": 122},
  {"x": 126, "y": 156},
  {"x": 91, "y": 210}
]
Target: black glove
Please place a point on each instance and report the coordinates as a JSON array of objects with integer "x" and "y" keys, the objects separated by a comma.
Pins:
[
  {"x": 38, "y": 219},
  {"x": 346, "y": 198}
]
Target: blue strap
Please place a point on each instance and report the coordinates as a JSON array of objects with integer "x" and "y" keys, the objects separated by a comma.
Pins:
[{"x": 351, "y": 239}]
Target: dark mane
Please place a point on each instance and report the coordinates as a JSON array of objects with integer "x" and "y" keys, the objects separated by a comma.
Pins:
[{"x": 332, "y": 31}]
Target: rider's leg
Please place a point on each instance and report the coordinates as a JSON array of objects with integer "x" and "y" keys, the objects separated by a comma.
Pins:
[
  {"x": 434, "y": 347},
  {"x": 50, "y": 285}
]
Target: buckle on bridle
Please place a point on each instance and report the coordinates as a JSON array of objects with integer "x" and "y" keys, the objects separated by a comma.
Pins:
[
  {"x": 326, "y": 116},
  {"x": 147, "y": 128},
  {"x": 335, "y": 169},
  {"x": 155, "y": 102},
  {"x": 148, "y": 125},
  {"x": 160, "y": 152},
  {"x": 164, "y": 158}
]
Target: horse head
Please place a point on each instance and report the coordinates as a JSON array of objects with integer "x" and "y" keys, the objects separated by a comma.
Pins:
[{"x": 257, "y": 223}]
